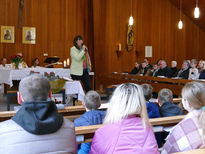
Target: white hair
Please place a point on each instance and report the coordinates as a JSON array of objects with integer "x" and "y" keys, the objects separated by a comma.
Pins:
[
  {"x": 174, "y": 63},
  {"x": 34, "y": 88},
  {"x": 127, "y": 99}
]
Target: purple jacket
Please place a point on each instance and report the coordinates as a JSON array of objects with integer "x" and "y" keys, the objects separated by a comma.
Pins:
[{"x": 126, "y": 137}]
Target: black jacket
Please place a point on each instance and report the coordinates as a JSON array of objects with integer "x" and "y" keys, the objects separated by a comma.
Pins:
[{"x": 167, "y": 72}]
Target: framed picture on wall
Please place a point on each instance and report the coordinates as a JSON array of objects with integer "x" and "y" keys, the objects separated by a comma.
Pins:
[
  {"x": 7, "y": 34},
  {"x": 29, "y": 35}
]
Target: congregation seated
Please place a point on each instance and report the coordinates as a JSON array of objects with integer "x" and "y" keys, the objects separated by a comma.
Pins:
[
  {"x": 184, "y": 71},
  {"x": 37, "y": 127},
  {"x": 152, "y": 109},
  {"x": 154, "y": 70},
  {"x": 189, "y": 133},
  {"x": 201, "y": 68},
  {"x": 144, "y": 69},
  {"x": 174, "y": 67},
  {"x": 147, "y": 63},
  {"x": 164, "y": 70},
  {"x": 91, "y": 117},
  {"x": 3, "y": 63},
  {"x": 35, "y": 63},
  {"x": 193, "y": 71},
  {"x": 136, "y": 69},
  {"x": 167, "y": 107},
  {"x": 22, "y": 64},
  {"x": 126, "y": 127}
]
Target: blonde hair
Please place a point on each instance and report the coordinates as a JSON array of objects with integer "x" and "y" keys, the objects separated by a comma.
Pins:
[
  {"x": 193, "y": 92},
  {"x": 127, "y": 99},
  {"x": 203, "y": 62}
]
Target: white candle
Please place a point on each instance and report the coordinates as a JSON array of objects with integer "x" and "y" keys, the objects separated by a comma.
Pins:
[
  {"x": 120, "y": 47},
  {"x": 64, "y": 63},
  {"x": 68, "y": 61}
]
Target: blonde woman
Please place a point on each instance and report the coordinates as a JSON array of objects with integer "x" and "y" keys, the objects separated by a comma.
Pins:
[
  {"x": 127, "y": 129},
  {"x": 201, "y": 67},
  {"x": 190, "y": 132}
]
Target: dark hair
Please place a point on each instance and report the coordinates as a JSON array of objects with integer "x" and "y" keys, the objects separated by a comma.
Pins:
[
  {"x": 34, "y": 61},
  {"x": 78, "y": 37}
]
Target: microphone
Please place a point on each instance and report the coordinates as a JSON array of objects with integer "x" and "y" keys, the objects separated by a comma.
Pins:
[{"x": 85, "y": 47}]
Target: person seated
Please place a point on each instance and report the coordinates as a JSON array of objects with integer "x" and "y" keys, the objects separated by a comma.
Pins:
[
  {"x": 193, "y": 71},
  {"x": 37, "y": 127},
  {"x": 3, "y": 63},
  {"x": 167, "y": 107},
  {"x": 174, "y": 68},
  {"x": 184, "y": 71},
  {"x": 147, "y": 63},
  {"x": 201, "y": 66},
  {"x": 154, "y": 70},
  {"x": 136, "y": 69},
  {"x": 152, "y": 109},
  {"x": 22, "y": 64},
  {"x": 126, "y": 126},
  {"x": 189, "y": 133},
  {"x": 35, "y": 63},
  {"x": 164, "y": 70},
  {"x": 91, "y": 117},
  {"x": 144, "y": 70}
]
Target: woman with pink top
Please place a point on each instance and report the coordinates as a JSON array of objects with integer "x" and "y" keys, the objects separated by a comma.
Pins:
[{"x": 127, "y": 129}]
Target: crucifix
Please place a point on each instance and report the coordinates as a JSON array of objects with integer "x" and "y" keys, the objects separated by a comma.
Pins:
[{"x": 20, "y": 13}]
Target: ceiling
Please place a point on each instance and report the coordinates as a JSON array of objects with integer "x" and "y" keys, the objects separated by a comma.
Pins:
[{"x": 188, "y": 9}]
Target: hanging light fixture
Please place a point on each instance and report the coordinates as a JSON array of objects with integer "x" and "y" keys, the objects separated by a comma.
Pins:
[
  {"x": 180, "y": 24},
  {"x": 196, "y": 10},
  {"x": 131, "y": 20}
]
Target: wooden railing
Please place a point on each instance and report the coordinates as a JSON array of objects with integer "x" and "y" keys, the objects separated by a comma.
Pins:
[
  {"x": 87, "y": 132},
  {"x": 157, "y": 83},
  {"x": 70, "y": 112}
]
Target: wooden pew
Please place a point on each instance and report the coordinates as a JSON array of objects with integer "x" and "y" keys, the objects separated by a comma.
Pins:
[
  {"x": 70, "y": 112},
  {"x": 88, "y": 131},
  {"x": 196, "y": 151},
  {"x": 157, "y": 83}
]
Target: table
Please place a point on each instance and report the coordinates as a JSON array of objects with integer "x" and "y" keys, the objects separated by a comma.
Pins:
[
  {"x": 7, "y": 75},
  {"x": 74, "y": 87}
]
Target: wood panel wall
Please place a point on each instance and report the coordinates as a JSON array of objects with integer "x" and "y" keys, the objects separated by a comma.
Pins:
[
  {"x": 155, "y": 24},
  {"x": 56, "y": 22}
]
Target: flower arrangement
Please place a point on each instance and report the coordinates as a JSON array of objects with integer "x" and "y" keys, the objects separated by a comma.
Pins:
[
  {"x": 16, "y": 60},
  {"x": 55, "y": 82}
]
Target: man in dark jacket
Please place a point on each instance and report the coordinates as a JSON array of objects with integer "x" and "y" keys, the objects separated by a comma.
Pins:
[
  {"x": 91, "y": 117},
  {"x": 184, "y": 71},
  {"x": 167, "y": 107},
  {"x": 136, "y": 69},
  {"x": 164, "y": 70}
]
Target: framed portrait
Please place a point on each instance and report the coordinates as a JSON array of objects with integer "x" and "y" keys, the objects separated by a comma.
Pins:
[
  {"x": 7, "y": 34},
  {"x": 29, "y": 35}
]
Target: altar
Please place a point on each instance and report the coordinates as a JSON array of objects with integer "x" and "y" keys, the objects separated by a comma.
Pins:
[{"x": 8, "y": 75}]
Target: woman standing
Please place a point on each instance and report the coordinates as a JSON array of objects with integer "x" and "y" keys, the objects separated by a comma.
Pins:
[{"x": 80, "y": 62}]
